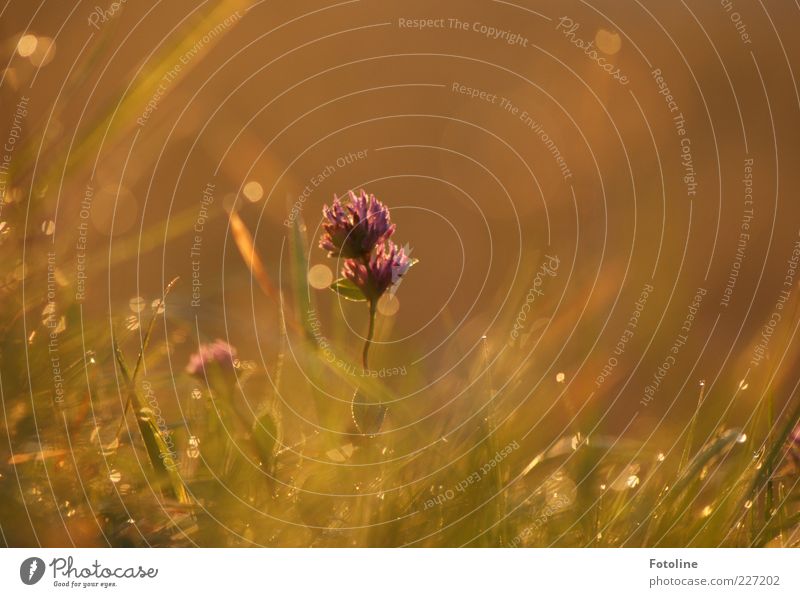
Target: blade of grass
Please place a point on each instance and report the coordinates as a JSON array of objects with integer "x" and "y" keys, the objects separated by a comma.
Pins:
[
  {"x": 161, "y": 457},
  {"x": 687, "y": 447},
  {"x": 773, "y": 453},
  {"x": 674, "y": 500},
  {"x": 145, "y": 343},
  {"x": 244, "y": 242}
]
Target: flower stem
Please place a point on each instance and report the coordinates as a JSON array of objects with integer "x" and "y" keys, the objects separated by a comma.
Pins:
[{"x": 370, "y": 333}]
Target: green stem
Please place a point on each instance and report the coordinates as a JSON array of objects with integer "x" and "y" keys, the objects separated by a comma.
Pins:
[{"x": 373, "y": 305}]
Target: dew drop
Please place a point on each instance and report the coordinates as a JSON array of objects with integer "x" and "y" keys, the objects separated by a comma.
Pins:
[
  {"x": 608, "y": 42},
  {"x": 576, "y": 441},
  {"x": 320, "y": 276},
  {"x": 388, "y": 305},
  {"x": 253, "y": 191},
  {"x": 193, "y": 451},
  {"x": 27, "y": 45}
]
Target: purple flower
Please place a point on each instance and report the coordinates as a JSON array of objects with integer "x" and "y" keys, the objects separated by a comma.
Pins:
[
  {"x": 384, "y": 268},
  {"x": 218, "y": 353},
  {"x": 354, "y": 229}
]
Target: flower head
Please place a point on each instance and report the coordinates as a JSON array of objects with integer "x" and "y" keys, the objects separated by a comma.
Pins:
[
  {"x": 384, "y": 268},
  {"x": 355, "y": 228},
  {"x": 218, "y": 353}
]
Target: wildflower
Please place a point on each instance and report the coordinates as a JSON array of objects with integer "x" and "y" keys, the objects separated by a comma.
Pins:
[
  {"x": 359, "y": 233},
  {"x": 354, "y": 229},
  {"x": 384, "y": 269},
  {"x": 218, "y": 353}
]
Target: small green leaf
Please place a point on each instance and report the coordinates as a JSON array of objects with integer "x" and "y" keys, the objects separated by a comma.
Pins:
[{"x": 347, "y": 290}]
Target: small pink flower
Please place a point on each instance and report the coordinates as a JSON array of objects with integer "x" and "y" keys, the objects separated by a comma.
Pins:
[
  {"x": 218, "y": 353},
  {"x": 384, "y": 269},
  {"x": 354, "y": 229}
]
